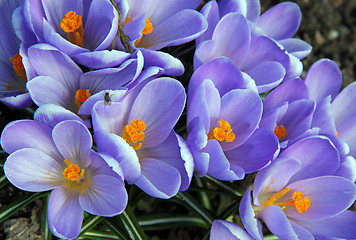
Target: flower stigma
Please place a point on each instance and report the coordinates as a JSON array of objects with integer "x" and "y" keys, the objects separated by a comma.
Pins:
[
  {"x": 81, "y": 96},
  {"x": 299, "y": 201},
  {"x": 280, "y": 132},
  {"x": 72, "y": 24},
  {"x": 16, "y": 61},
  {"x": 223, "y": 132},
  {"x": 134, "y": 132},
  {"x": 72, "y": 172}
]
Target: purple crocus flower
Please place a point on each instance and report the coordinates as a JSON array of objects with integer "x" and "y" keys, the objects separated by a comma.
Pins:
[
  {"x": 298, "y": 196},
  {"x": 222, "y": 119},
  {"x": 60, "y": 81},
  {"x": 152, "y": 25},
  {"x": 57, "y": 156},
  {"x": 227, "y": 230},
  {"x": 83, "y": 30},
  {"x": 13, "y": 76},
  {"x": 279, "y": 23},
  {"x": 138, "y": 132},
  {"x": 253, "y": 55}
]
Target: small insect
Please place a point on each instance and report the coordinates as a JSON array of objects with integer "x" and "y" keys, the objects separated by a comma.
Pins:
[{"x": 107, "y": 99}]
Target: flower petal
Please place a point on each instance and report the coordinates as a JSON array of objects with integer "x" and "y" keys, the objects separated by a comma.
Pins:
[
  {"x": 32, "y": 170},
  {"x": 227, "y": 230},
  {"x": 64, "y": 214},
  {"x": 150, "y": 181},
  {"x": 106, "y": 196},
  {"x": 296, "y": 47}
]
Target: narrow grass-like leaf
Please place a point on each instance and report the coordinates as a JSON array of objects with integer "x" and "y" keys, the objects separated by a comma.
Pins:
[
  {"x": 99, "y": 235},
  {"x": 203, "y": 196},
  {"x": 224, "y": 186},
  {"x": 3, "y": 181},
  {"x": 189, "y": 202},
  {"x": 167, "y": 221},
  {"x": 44, "y": 225},
  {"x": 117, "y": 228},
  {"x": 18, "y": 204},
  {"x": 229, "y": 210},
  {"x": 89, "y": 223}
]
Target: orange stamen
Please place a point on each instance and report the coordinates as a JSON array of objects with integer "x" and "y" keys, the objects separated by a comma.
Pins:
[
  {"x": 280, "y": 132},
  {"x": 72, "y": 24},
  {"x": 134, "y": 133},
  {"x": 72, "y": 172},
  {"x": 337, "y": 134},
  {"x": 223, "y": 132},
  {"x": 81, "y": 96},
  {"x": 146, "y": 30},
  {"x": 16, "y": 61}
]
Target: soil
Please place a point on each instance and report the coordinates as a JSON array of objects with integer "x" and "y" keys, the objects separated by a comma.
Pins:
[{"x": 328, "y": 25}]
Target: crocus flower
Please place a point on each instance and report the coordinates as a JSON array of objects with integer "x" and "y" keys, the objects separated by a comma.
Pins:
[
  {"x": 83, "y": 30},
  {"x": 298, "y": 196},
  {"x": 253, "y": 55},
  {"x": 63, "y": 83},
  {"x": 222, "y": 119},
  {"x": 227, "y": 230},
  {"x": 152, "y": 25},
  {"x": 138, "y": 132},
  {"x": 278, "y": 23},
  {"x": 60, "y": 159},
  {"x": 13, "y": 76}
]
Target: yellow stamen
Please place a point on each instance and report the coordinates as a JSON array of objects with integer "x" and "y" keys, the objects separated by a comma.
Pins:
[
  {"x": 134, "y": 133},
  {"x": 301, "y": 203},
  {"x": 72, "y": 24},
  {"x": 16, "y": 61},
  {"x": 81, "y": 96},
  {"x": 337, "y": 134},
  {"x": 72, "y": 172},
  {"x": 223, "y": 132},
  {"x": 280, "y": 132},
  {"x": 146, "y": 30}
]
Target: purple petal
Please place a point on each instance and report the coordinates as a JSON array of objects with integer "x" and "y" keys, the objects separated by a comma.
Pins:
[
  {"x": 323, "y": 79},
  {"x": 329, "y": 196},
  {"x": 187, "y": 172},
  {"x": 219, "y": 165},
  {"x": 100, "y": 29},
  {"x": 105, "y": 164},
  {"x": 301, "y": 232},
  {"x": 281, "y": 21},
  {"x": 264, "y": 83},
  {"x": 277, "y": 222},
  {"x": 347, "y": 168},
  {"x": 73, "y": 141},
  {"x": 32, "y": 170},
  {"x": 180, "y": 28},
  {"x": 20, "y": 101},
  {"x": 232, "y": 27},
  {"x": 256, "y": 152},
  {"x": 204, "y": 104},
  {"x": 227, "y": 230},
  {"x": 296, "y": 47},
  {"x": 317, "y": 155},
  {"x": 172, "y": 66},
  {"x": 106, "y": 196},
  {"x": 242, "y": 108},
  {"x": 211, "y": 12},
  {"x": 222, "y": 72},
  {"x": 250, "y": 9},
  {"x": 150, "y": 181},
  {"x": 51, "y": 115},
  {"x": 108, "y": 118},
  {"x": 340, "y": 226},
  {"x": 251, "y": 224},
  {"x": 289, "y": 91},
  {"x": 29, "y": 134},
  {"x": 121, "y": 152},
  {"x": 101, "y": 58},
  {"x": 323, "y": 117},
  {"x": 159, "y": 104},
  {"x": 64, "y": 214}
]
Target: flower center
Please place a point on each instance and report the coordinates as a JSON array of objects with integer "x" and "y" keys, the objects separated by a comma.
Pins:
[
  {"x": 81, "y": 96},
  {"x": 223, "y": 132},
  {"x": 72, "y": 172},
  {"x": 280, "y": 132},
  {"x": 146, "y": 30},
  {"x": 301, "y": 203},
  {"x": 73, "y": 26},
  {"x": 16, "y": 61},
  {"x": 133, "y": 132}
]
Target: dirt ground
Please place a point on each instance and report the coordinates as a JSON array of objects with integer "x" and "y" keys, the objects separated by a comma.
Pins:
[{"x": 328, "y": 25}]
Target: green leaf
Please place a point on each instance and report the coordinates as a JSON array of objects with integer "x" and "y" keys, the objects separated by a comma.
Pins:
[
  {"x": 229, "y": 210},
  {"x": 89, "y": 223},
  {"x": 167, "y": 221},
  {"x": 18, "y": 204},
  {"x": 226, "y": 186},
  {"x": 189, "y": 202},
  {"x": 271, "y": 237},
  {"x": 117, "y": 228},
  {"x": 3, "y": 181},
  {"x": 203, "y": 196},
  {"x": 99, "y": 235},
  {"x": 44, "y": 225}
]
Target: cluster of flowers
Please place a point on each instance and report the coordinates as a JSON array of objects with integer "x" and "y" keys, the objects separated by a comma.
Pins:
[{"x": 96, "y": 65}]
